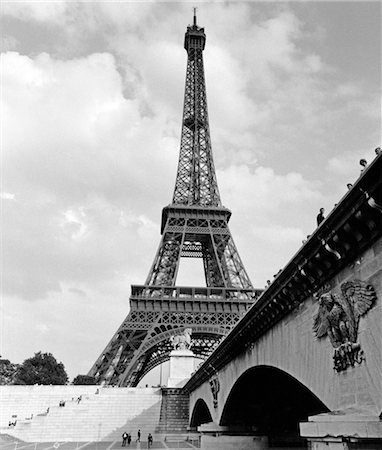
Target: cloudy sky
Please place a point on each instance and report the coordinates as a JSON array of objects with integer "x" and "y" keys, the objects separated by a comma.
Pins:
[{"x": 92, "y": 98}]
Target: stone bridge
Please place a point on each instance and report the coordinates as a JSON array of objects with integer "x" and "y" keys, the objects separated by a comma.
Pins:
[{"x": 274, "y": 379}]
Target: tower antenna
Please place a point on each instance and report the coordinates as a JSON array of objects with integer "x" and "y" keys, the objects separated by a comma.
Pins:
[{"x": 195, "y": 17}]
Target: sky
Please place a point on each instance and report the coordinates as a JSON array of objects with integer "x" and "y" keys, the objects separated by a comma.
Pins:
[{"x": 91, "y": 110}]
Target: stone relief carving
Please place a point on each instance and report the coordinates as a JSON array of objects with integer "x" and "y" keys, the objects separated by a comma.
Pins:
[
  {"x": 215, "y": 387},
  {"x": 338, "y": 318},
  {"x": 182, "y": 341},
  {"x": 323, "y": 290}
]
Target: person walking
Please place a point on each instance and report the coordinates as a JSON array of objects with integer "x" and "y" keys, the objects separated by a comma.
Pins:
[
  {"x": 139, "y": 436},
  {"x": 129, "y": 439},
  {"x": 149, "y": 440},
  {"x": 124, "y": 439}
]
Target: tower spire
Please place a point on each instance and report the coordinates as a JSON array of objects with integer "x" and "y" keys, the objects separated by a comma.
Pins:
[{"x": 196, "y": 182}]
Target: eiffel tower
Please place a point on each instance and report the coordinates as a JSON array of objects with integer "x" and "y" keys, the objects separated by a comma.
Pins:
[{"x": 194, "y": 225}]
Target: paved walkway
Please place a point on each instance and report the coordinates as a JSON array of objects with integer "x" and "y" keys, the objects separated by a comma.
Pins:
[{"x": 115, "y": 445}]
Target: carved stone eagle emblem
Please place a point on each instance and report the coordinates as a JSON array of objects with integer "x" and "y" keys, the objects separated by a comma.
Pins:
[{"x": 338, "y": 317}]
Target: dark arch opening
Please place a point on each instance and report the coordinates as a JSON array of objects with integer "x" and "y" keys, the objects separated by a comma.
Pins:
[
  {"x": 270, "y": 402},
  {"x": 200, "y": 414}
]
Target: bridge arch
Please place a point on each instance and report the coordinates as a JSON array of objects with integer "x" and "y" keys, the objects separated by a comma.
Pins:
[
  {"x": 269, "y": 401},
  {"x": 200, "y": 414}
]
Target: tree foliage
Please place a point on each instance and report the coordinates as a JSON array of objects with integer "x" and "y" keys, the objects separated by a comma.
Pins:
[
  {"x": 7, "y": 372},
  {"x": 42, "y": 368},
  {"x": 84, "y": 379}
]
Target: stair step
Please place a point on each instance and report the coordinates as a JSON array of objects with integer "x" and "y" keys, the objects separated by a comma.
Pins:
[{"x": 117, "y": 409}]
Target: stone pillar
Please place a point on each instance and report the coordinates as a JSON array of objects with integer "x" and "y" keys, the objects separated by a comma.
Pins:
[
  {"x": 335, "y": 430},
  {"x": 181, "y": 368}
]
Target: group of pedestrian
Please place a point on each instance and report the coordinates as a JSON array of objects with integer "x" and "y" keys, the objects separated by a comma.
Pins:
[
  {"x": 126, "y": 439},
  {"x": 364, "y": 165}
]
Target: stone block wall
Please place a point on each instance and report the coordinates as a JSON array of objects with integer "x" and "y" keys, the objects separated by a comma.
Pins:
[
  {"x": 291, "y": 346},
  {"x": 174, "y": 414}
]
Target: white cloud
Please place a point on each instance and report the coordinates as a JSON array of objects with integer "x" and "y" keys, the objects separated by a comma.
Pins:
[
  {"x": 278, "y": 235},
  {"x": 271, "y": 214},
  {"x": 38, "y": 11},
  {"x": 74, "y": 223},
  {"x": 345, "y": 165},
  {"x": 267, "y": 190},
  {"x": 42, "y": 328},
  {"x": 83, "y": 158},
  {"x": 7, "y": 196},
  {"x": 79, "y": 118},
  {"x": 274, "y": 246},
  {"x": 63, "y": 324}
]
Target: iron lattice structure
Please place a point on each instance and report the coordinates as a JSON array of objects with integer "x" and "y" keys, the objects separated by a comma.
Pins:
[{"x": 194, "y": 225}]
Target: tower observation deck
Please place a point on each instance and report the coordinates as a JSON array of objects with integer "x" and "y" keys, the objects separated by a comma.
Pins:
[{"x": 194, "y": 225}]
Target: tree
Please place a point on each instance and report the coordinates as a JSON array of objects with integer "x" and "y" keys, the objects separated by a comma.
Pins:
[
  {"x": 84, "y": 379},
  {"x": 7, "y": 372},
  {"x": 41, "y": 369}
]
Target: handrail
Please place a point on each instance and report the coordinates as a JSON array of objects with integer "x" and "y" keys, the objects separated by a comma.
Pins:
[{"x": 177, "y": 292}]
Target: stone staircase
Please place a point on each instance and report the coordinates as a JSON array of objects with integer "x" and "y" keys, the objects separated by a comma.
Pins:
[
  {"x": 174, "y": 412},
  {"x": 101, "y": 414}
]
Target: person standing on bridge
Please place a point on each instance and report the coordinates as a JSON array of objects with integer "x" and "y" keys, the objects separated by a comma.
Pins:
[
  {"x": 320, "y": 217},
  {"x": 139, "y": 436},
  {"x": 124, "y": 439}
]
